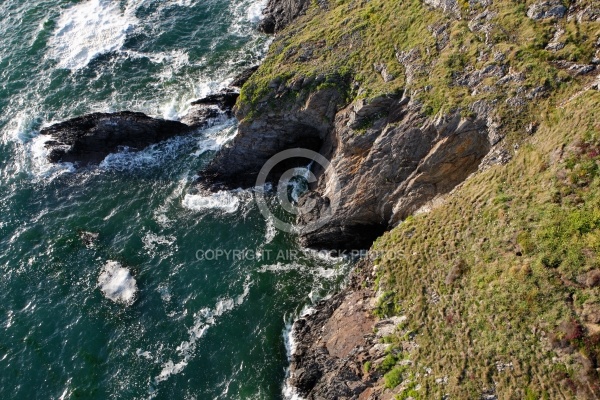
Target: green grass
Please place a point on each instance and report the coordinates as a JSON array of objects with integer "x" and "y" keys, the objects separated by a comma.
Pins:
[
  {"x": 524, "y": 247},
  {"x": 339, "y": 47}
]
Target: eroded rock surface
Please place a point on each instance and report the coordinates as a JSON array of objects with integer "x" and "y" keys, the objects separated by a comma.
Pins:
[{"x": 388, "y": 157}]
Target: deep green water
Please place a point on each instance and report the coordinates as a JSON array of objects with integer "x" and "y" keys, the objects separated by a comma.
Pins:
[{"x": 198, "y": 329}]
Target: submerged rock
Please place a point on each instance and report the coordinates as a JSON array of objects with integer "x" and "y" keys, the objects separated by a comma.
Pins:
[
  {"x": 89, "y": 139},
  {"x": 89, "y": 239}
]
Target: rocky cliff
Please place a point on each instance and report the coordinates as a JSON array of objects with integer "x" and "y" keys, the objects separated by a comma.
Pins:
[{"x": 468, "y": 132}]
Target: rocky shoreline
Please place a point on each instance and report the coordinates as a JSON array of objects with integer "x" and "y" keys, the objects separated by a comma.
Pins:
[{"x": 339, "y": 344}]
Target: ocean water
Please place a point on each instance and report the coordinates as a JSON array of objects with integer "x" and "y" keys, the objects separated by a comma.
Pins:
[{"x": 143, "y": 311}]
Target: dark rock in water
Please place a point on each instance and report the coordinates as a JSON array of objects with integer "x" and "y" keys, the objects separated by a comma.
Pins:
[
  {"x": 243, "y": 77},
  {"x": 225, "y": 100},
  {"x": 89, "y": 139},
  {"x": 211, "y": 107},
  {"x": 279, "y": 13},
  {"x": 89, "y": 239},
  {"x": 304, "y": 124},
  {"x": 199, "y": 117}
]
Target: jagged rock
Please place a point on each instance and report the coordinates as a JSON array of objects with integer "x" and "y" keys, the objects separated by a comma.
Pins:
[
  {"x": 279, "y": 13},
  {"x": 243, "y": 77},
  {"x": 440, "y": 32},
  {"x": 303, "y": 124},
  {"x": 472, "y": 78},
  {"x": 481, "y": 24},
  {"x": 390, "y": 160},
  {"x": 385, "y": 75},
  {"x": 89, "y": 139},
  {"x": 199, "y": 116},
  {"x": 547, "y": 9},
  {"x": 331, "y": 344},
  {"x": 225, "y": 100},
  {"x": 588, "y": 14},
  {"x": 555, "y": 44},
  {"x": 209, "y": 108},
  {"x": 403, "y": 160},
  {"x": 411, "y": 60},
  {"x": 575, "y": 69},
  {"x": 447, "y": 6}
]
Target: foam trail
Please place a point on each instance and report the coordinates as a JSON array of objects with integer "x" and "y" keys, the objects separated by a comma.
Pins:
[
  {"x": 203, "y": 320},
  {"x": 89, "y": 29},
  {"x": 290, "y": 392},
  {"x": 214, "y": 143},
  {"x": 246, "y": 15},
  {"x": 222, "y": 200},
  {"x": 39, "y": 166}
]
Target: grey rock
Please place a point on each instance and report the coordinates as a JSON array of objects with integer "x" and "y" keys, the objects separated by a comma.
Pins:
[
  {"x": 447, "y": 6},
  {"x": 279, "y": 13},
  {"x": 243, "y": 77},
  {"x": 546, "y": 9}
]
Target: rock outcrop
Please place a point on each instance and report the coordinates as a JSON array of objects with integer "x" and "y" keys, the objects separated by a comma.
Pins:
[
  {"x": 389, "y": 159},
  {"x": 391, "y": 167},
  {"x": 303, "y": 124},
  {"x": 338, "y": 346},
  {"x": 279, "y": 13},
  {"x": 89, "y": 139}
]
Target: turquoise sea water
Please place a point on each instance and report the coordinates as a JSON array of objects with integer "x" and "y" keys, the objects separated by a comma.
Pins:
[{"x": 198, "y": 328}]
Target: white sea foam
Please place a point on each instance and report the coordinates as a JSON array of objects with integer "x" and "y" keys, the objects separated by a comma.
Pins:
[
  {"x": 320, "y": 272},
  {"x": 153, "y": 241},
  {"x": 40, "y": 167},
  {"x": 246, "y": 14},
  {"x": 89, "y": 29},
  {"x": 214, "y": 142},
  {"x": 271, "y": 231},
  {"x": 224, "y": 201},
  {"x": 290, "y": 392},
  {"x": 117, "y": 284},
  {"x": 203, "y": 320},
  {"x": 183, "y": 3}
]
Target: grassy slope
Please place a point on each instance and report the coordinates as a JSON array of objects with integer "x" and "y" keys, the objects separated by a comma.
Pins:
[
  {"x": 353, "y": 35},
  {"x": 516, "y": 237},
  {"x": 488, "y": 276}
]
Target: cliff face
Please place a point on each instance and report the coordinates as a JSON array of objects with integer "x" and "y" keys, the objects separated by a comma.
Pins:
[
  {"x": 464, "y": 138},
  {"x": 408, "y": 127},
  {"x": 399, "y": 162}
]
